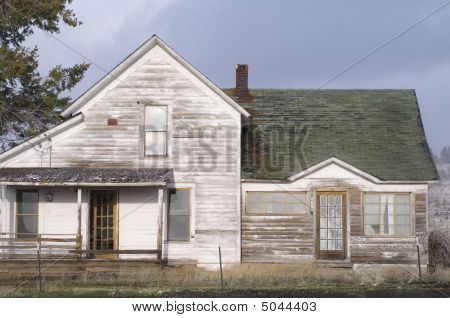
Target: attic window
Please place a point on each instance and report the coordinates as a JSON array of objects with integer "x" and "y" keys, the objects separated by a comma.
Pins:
[{"x": 156, "y": 130}]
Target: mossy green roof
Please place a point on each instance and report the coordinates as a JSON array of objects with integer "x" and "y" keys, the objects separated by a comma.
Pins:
[{"x": 377, "y": 131}]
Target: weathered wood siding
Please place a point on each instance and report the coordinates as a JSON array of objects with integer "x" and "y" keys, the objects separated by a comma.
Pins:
[
  {"x": 204, "y": 149},
  {"x": 263, "y": 236},
  {"x": 277, "y": 239}
]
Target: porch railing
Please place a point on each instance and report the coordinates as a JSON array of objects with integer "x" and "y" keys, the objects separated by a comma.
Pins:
[{"x": 15, "y": 246}]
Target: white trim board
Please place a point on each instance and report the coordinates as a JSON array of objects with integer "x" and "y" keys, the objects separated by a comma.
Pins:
[{"x": 307, "y": 172}]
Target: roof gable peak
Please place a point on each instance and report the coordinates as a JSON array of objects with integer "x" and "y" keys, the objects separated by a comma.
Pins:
[{"x": 114, "y": 77}]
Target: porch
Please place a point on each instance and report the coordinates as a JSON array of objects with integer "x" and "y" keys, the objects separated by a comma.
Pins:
[
  {"x": 81, "y": 216},
  {"x": 51, "y": 254}
]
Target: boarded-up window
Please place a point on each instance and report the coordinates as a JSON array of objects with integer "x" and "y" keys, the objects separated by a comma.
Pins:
[
  {"x": 387, "y": 214},
  {"x": 27, "y": 214},
  {"x": 179, "y": 214},
  {"x": 276, "y": 202},
  {"x": 156, "y": 130}
]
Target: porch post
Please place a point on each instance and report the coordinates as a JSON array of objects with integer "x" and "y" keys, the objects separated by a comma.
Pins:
[
  {"x": 3, "y": 209},
  {"x": 79, "y": 241},
  {"x": 160, "y": 222}
]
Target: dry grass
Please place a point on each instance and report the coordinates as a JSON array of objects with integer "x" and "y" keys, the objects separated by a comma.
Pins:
[{"x": 245, "y": 276}]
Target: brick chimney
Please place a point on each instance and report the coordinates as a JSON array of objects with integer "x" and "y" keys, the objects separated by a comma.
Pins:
[{"x": 241, "y": 91}]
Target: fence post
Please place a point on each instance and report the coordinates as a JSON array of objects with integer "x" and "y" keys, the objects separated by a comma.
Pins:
[
  {"x": 221, "y": 271},
  {"x": 39, "y": 262},
  {"x": 418, "y": 259}
]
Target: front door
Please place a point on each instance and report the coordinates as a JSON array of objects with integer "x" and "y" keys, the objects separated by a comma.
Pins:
[
  {"x": 331, "y": 225},
  {"x": 103, "y": 214}
]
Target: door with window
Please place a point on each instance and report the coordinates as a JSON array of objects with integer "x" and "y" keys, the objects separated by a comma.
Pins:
[
  {"x": 103, "y": 214},
  {"x": 331, "y": 225}
]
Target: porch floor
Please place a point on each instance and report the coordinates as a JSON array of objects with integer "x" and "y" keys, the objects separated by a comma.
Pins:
[{"x": 52, "y": 267}]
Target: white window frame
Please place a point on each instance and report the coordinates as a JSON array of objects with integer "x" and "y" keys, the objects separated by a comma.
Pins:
[
  {"x": 411, "y": 214},
  {"x": 166, "y": 131},
  {"x": 184, "y": 186},
  {"x": 286, "y": 202}
]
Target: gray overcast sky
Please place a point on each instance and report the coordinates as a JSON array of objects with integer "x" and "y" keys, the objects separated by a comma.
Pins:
[{"x": 288, "y": 44}]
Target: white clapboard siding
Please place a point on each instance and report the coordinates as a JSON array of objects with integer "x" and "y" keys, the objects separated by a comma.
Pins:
[
  {"x": 204, "y": 153},
  {"x": 138, "y": 219},
  {"x": 60, "y": 216}
]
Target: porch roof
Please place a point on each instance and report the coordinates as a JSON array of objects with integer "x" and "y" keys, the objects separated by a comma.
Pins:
[{"x": 85, "y": 176}]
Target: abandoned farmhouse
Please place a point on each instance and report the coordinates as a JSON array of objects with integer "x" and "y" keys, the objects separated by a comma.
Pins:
[{"x": 156, "y": 162}]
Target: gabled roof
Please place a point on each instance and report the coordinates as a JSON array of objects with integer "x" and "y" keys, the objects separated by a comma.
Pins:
[
  {"x": 113, "y": 76},
  {"x": 379, "y": 132}
]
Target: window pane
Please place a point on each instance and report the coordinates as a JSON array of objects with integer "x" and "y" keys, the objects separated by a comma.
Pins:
[
  {"x": 296, "y": 208},
  {"x": 179, "y": 202},
  {"x": 156, "y": 118},
  {"x": 28, "y": 202},
  {"x": 275, "y": 207},
  {"x": 402, "y": 209},
  {"x": 371, "y": 198},
  {"x": 331, "y": 245},
  {"x": 27, "y": 224},
  {"x": 387, "y": 230},
  {"x": 386, "y": 198},
  {"x": 372, "y": 229},
  {"x": 402, "y": 198},
  {"x": 331, "y": 200},
  {"x": 323, "y": 200},
  {"x": 255, "y": 197},
  {"x": 402, "y": 230},
  {"x": 402, "y": 219},
  {"x": 276, "y": 197},
  {"x": 256, "y": 207},
  {"x": 179, "y": 227},
  {"x": 296, "y": 197},
  {"x": 155, "y": 143},
  {"x": 372, "y": 209},
  {"x": 331, "y": 212},
  {"x": 372, "y": 219},
  {"x": 179, "y": 214}
]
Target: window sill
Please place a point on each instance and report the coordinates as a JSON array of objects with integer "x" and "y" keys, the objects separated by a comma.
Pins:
[
  {"x": 277, "y": 214},
  {"x": 411, "y": 236}
]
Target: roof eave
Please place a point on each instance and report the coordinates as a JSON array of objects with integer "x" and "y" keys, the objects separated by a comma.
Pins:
[{"x": 71, "y": 122}]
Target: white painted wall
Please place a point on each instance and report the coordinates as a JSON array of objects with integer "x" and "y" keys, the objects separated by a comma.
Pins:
[
  {"x": 138, "y": 219},
  {"x": 204, "y": 149}
]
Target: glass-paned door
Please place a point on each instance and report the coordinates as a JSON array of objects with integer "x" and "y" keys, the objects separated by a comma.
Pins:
[
  {"x": 331, "y": 225},
  {"x": 103, "y": 222}
]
